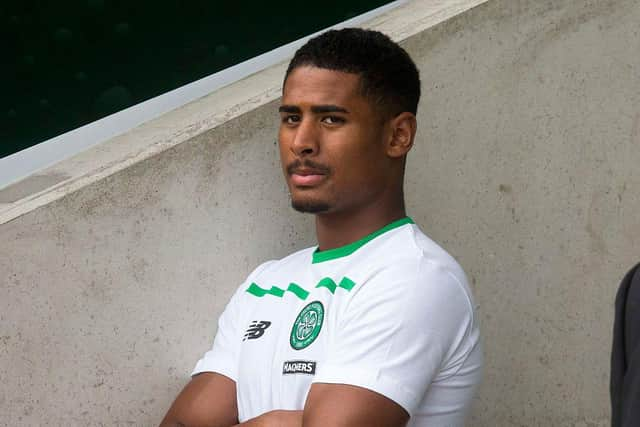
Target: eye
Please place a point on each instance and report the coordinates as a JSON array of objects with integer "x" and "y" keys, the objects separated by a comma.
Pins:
[
  {"x": 290, "y": 119},
  {"x": 332, "y": 120}
]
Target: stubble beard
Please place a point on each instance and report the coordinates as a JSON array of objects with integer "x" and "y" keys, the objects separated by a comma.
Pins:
[{"x": 310, "y": 206}]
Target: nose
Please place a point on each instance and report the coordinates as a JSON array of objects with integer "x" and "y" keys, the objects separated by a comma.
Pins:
[{"x": 305, "y": 141}]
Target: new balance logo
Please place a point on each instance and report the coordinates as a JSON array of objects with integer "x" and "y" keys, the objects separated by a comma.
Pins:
[{"x": 256, "y": 329}]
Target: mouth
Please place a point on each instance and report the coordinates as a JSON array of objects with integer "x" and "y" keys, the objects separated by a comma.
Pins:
[
  {"x": 307, "y": 177},
  {"x": 307, "y": 174}
]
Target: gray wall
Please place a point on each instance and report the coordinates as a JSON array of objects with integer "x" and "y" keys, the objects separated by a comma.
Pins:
[
  {"x": 524, "y": 168},
  {"x": 527, "y": 170},
  {"x": 112, "y": 293}
]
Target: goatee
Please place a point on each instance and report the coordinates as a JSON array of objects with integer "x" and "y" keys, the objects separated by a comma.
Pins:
[{"x": 309, "y": 206}]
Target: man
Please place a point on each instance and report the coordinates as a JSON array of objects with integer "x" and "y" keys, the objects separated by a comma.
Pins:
[
  {"x": 624, "y": 382},
  {"x": 373, "y": 327}
]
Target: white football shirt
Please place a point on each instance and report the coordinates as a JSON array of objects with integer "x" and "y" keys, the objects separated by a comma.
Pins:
[{"x": 392, "y": 313}]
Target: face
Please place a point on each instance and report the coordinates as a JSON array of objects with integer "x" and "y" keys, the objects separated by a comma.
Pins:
[{"x": 332, "y": 142}]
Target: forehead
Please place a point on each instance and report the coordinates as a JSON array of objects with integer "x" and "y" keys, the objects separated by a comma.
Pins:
[{"x": 317, "y": 86}]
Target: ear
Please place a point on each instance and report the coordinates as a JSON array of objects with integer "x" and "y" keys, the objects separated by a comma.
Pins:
[{"x": 403, "y": 131}]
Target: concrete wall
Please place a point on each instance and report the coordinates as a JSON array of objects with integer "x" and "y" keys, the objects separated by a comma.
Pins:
[
  {"x": 110, "y": 293},
  {"x": 524, "y": 168},
  {"x": 527, "y": 169}
]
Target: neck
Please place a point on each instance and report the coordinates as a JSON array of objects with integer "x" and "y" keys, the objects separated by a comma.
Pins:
[{"x": 339, "y": 229}]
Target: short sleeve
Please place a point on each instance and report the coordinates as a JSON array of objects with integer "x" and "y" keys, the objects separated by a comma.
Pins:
[
  {"x": 398, "y": 332},
  {"x": 223, "y": 356}
]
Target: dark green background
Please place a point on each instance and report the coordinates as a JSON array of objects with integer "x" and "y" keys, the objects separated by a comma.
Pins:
[{"x": 72, "y": 62}]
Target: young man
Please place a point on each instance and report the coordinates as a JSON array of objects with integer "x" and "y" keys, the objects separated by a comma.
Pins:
[{"x": 376, "y": 325}]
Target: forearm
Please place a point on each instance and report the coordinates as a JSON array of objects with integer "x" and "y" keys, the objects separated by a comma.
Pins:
[
  {"x": 278, "y": 418},
  {"x": 185, "y": 422},
  {"x": 209, "y": 399}
]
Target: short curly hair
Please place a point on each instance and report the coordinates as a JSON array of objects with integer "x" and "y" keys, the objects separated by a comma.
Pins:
[{"x": 388, "y": 75}]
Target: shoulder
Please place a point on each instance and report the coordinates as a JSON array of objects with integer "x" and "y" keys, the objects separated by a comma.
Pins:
[
  {"x": 292, "y": 261},
  {"x": 414, "y": 278},
  {"x": 409, "y": 257},
  {"x": 263, "y": 277}
]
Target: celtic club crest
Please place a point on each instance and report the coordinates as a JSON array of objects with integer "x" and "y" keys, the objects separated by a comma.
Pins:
[{"x": 307, "y": 326}]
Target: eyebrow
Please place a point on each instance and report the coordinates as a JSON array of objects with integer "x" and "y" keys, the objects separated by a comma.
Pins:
[{"x": 318, "y": 109}]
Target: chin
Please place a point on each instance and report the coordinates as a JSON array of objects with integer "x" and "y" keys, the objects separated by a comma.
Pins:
[{"x": 310, "y": 206}]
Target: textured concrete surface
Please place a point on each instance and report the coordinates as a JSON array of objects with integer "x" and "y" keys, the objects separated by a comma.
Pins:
[
  {"x": 180, "y": 125},
  {"x": 110, "y": 294},
  {"x": 525, "y": 168}
]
